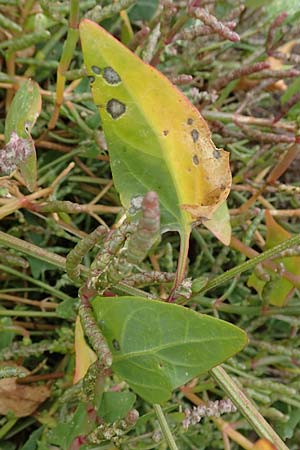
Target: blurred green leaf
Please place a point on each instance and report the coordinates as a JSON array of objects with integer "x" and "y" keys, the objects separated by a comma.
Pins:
[
  {"x": 278, "y": 6},
  {"x": 287, "y": 430},
  {"x": 6, "y": 336},
  {"x": 257, "y": 3},
  {"x": 5, "y": 445},
  {"x": 23, "y": 112},
  {"x": 66, "y": 310},
  {"x": 38, "y": 267},
  {"x": 65, "y": 432},
  {"x": 143, "y": 10},
  {"x": 32, "y": 442}
]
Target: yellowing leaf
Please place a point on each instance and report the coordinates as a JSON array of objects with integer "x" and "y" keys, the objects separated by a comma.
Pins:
[
  {"x": 157, "y": 139},
  {"x": 277, "y": 64},
  {"x": 278, "y": 289},
  {"x": 85, "y": 356}
]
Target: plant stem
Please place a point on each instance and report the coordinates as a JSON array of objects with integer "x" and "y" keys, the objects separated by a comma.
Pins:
[
  {"x": 16, "y": 313},
  {"x": 226, "y": 276},
  {"x": 32, "y": 250},
  {"x": 241, "y": 310},
  {"x": 57, "y": 261},
  {"x": 182, "y": 260},
  {"x": 7, "y": 426},
  {"x": 131, "y": 290},
  {"x": 66, "y": 57},
  {"x": 55, "y": 292},
  {"x": 246, "y": 407},
  {"x": 165, "y": 427}
]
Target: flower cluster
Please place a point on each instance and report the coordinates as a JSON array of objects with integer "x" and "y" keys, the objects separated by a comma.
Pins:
[{"x": 193, "y": 416}]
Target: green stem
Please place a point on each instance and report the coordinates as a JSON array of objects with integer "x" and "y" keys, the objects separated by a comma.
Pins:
[
  {"x": 250, "y": 264},
  {"x": 65, "y": 60},
  {"x": 95, "y": 337},
  {"x": 55, "y": 292},
  {"x": 165, "y": 427},
  {"x": 16, "y": 313},
  {"x": 246, "y": 407},
  {"x": 130, "y": 290},
  {"x": 244, "y": 309},
  {"x": 182, "y": 260},
  {"x": 8, "y": 425},
  {"x": 20, "y": 43},
  {"x": 32, "y": 250},
  {"x": 57, "y": 261}
]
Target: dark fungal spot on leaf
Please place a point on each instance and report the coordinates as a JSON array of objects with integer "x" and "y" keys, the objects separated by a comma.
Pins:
[
  {"x": 115, "y": 108},
  {"x": 27, "y": 127},
  {"x": 165, "y": 132},
  {"x": 96, "y": 70},
  {"x": 190, "y": 121},
  {"x": 91, "y": 79},
  {"x": 111, "y": 76},
  {"x": 116, "y": 345},
  {"x": 195, "y": 135},
  {"x": 196, "y": 160},
  {"x": 216, "y": 154}
]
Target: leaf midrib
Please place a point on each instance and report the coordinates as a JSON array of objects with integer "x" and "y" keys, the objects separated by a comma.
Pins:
[{"x": 155, "y": 350}]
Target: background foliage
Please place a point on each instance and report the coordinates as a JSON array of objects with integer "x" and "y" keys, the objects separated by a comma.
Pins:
[{"x": 241, "y": 72}]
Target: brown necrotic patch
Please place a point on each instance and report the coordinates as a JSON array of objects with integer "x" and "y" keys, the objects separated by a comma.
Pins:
[
  {"x": 111, "y": 76},
  {"x": 216, "y": 154},
  {"x": 195, "y": 135},
  {"x": 115, "y": 108},
  {"x": 96, "y": 70},
  {"x": 196, "y": 160},
  {"x": 165, "y": 132},
  {"x": 190, "y": 121},
  {"x": 91, "y": 79}
]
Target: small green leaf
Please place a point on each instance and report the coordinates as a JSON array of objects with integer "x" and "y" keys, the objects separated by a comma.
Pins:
[
  {"x": 158, "y": 346},
  {"x": 23, "y": 112},
  {"x": 76, "y": 425},
  {"x": 66, "y": 309},
  {"x": 39, "y": 267},
  {"x": 115, "y": 405},
  {"x": 32, "y": 442}
]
